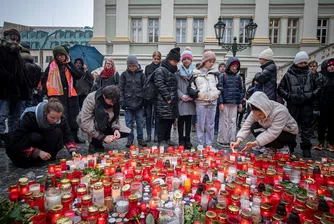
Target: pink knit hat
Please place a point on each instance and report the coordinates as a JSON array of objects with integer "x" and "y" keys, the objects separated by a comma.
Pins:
[
  {"x": 208, "y": 55},
  {"x": 187, "y": 54}
]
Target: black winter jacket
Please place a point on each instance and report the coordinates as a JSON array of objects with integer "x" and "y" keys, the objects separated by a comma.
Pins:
[
  {"x": 166, "y": 84},
  {"x": 34, "y": 71},
  {"x": 14, "y": 80},
  {"x": 149, "y": 69},
  {"x": 84, "y": 85},
  {"x": 102, "y": 82},
  {"x": 298, "y": 86},
  {"x": 268, "y": 79},
  {"x": 327, "y": 90},
  {"x": 233, "y": 92},
  {"x": 131, "y": 87}
]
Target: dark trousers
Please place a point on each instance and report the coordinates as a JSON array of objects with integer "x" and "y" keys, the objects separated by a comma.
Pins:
[
  {"x": 303, "y": 114},
  {"x": 326, "y": 122},
  {"x": 81, "y": 100},
  {"x": 285, "y": 138},
  {"x": 164, "y": 129},
  {"x": 50, "y": 141},
  {"x": 184, "y": 121},
  {"x": 149, "y": 114},
  {"x": 217, "y": 118}
]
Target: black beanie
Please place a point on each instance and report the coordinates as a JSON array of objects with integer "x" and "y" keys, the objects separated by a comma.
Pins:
[
  {"x": 174, "y": 54},
  {"x": 12, "y": 32},
  {"x": 25, "y": 47},
  {"x": 79, "y": 59}
]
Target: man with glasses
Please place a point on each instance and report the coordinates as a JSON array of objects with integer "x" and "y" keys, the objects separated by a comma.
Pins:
[{"x": 14, "y": 82}]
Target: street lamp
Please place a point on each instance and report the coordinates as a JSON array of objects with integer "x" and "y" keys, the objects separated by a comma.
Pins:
[{"x": 250, "y": 30}]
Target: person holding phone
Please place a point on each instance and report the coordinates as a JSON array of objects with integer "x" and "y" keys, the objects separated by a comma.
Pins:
[{"x": 271, "y": 124}]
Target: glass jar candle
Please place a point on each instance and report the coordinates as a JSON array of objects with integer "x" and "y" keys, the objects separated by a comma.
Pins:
[
  {"x": 23, "y": 189},
  {"x": 93, "y": 180},
  {"x": 210, "y": 216},
  {"x": 301, "y": 213},
  {"x": 55, "y": 213},
  {"x": 107, "y": 189},
  {"x": 109, "y": 203},
  {"x": 137, "y": 188},
  {"x": 51, "y": 168},
  {"x": 66, "y": 202},
  {"x": 13, "y": 191},
  {"x": 62, "y": 163},
  {"x": 86, "y": 202},
  {"x": 52, "y": 198},
  {"x": 133, "y": 201},
  {"x": 266, "y": 197},
  {"x": 187, "y": 186},
  {"x": 39, "y": 219},
  {"x": 116, "y": 191},
  {"x": 156, "y": 189},
  {"x": 310, "y": 210},
  {"x": 220, "y": 208},
  {"x": 81, "y": 191},
  {"x": 235, "y": 200},
  {"x": 164, "y": 192},
  {"x": 246, "y": 217},
  {"x": 98, "y": 194},
  {"x": 28, "y": 199},
  {"x": 39, "y": 201},
  {"x": 126, "y": 190},
  {"x": 122, "y": 205},
  {"x": 266, "y": 213},
  {"x": 93, "y": 212}
]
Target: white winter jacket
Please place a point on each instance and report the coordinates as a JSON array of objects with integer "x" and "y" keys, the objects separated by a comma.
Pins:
[
  {"x": 277, "y": 119},
  {"x": 206, "y": 83}
]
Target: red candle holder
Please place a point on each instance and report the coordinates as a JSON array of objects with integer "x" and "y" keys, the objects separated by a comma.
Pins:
[
  {"x": 39, "y": 201},
  {"x": 63, "y": 164},
  {"x": 56, "y": 212},
  {"x": 13, "y": 192},
  {"x": 39, "y": 219},
  {"x": 51, "y": 168},
  {"x": 66, "y": 202},
  {"x": 23, "y": 189}
]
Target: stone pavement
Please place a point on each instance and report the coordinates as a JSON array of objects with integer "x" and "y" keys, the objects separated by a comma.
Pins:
[{"x": 9, "y": 174}]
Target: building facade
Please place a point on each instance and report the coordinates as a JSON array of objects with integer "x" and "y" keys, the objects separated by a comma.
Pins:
[
  {"x": 123, "y": 27},
  {"x": 43, "y": 39}
]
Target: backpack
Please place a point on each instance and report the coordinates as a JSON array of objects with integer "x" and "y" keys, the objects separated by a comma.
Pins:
[{"x": 150, "y": 90}]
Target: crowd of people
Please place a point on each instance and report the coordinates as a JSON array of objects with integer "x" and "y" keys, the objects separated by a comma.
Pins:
[{"x": 170, "y": 91}]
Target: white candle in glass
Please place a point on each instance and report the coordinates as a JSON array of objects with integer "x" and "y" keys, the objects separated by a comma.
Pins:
[
  {"x": 122, "y": 206},
  {"x": 35, "y": 188},
  {"x": 204, "y": 201},
  {"x": 232, "y": 173}
]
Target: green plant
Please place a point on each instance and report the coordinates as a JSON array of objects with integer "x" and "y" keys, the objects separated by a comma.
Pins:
[{"x": 11, "y": 212}]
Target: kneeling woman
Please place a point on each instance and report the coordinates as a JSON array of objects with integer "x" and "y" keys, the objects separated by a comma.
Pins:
[
  {"x": 99, "y": 118},
  {"x": 271, "y": 124},
  {"x": 40, "y": 134}
]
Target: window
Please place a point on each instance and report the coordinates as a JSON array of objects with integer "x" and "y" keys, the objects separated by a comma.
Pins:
[
  {"x": 181, "y": 30},
  {"x": 137, "y": 31},
  {"x": 35, "y": 45},
  {"x": 32, "y": 34},
  {"x": 153, "y": 30},
  {"x": 322, "y": 30},
  {"x": 78, "y": 34},
  {"x": 292, "y": 31},
  {"x": 242, "y": 35},
  {"x": 89, "y": 34},
  {"x": 274, "y": 31},
  {"x": 228, "y": 31},
  {"x": 35, "y": 59},
  {"x": 48, "y": 59},
  {"x": 198, "y": 31}
]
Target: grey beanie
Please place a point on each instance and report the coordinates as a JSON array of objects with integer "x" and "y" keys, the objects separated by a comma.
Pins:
[{"x": 132, "y": 60}]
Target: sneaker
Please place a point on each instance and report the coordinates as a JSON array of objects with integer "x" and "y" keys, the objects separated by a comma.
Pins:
[
  {"x": 171, "y": 143},
  {"x": 155, "y": 138},
  {"x": 141, "y": 142},
  {"x": 148, "y": 139},
  {"x": 129, "y": 143},
  {"x": 320, "y": 146},
  {"x": 330, "y": 147},
  {"x": 284, "y": 150},
  {"x": 307, "y": 153}
]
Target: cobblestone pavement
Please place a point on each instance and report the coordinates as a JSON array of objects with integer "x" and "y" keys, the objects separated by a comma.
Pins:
[{"x": 9, "y": 174}]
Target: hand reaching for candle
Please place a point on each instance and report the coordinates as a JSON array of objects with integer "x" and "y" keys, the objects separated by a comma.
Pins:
[
  {"x": 234, "y": 145},
  {"x": 248, "y": 146},
  {"x": 108, "y": 139},
  {"x": 117, "y": 134},
  {"x": 44, "y": 155},
  {"x": 74, "y": 154}
]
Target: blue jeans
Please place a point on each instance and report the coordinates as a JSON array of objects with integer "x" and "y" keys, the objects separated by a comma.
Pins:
[
  {"x": 9, "y": 109},
  {"x": 132, "y": 116},
  {"x": 149, "y": 118}
]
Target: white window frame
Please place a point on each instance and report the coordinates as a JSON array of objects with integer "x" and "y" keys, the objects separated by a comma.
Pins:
[
  {"x": 272, "y": 28},
  {"x": 197, "y": 28},
  {"x": 179, "y": 29},
  {"x": 321, "y": 28},
  {"x": 228, "y": 29},
  {"x": 242, "y": 31},
  {"x": 155, "y": 30},
  {"x": 137, "y": 30},
  {"x": 292, "y": 28}
]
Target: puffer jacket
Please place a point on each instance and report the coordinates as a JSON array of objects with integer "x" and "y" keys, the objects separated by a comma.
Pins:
[
  {"x": 166, "y": 84},
  {"x": 298, "y": 86},
  {"x": 131, "y": 88},
  {"x": 205, "y": 86},
  {"x": 233, "y": 91},
  {"x": 327, "y": 91},
  {"x": 277, "y": 119},
  {"x": 34, "y": 71},
  {"x": 268, "y": 79}
]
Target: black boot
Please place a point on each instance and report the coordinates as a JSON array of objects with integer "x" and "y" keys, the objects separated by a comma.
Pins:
[
  {"x": 307, "y": 154},
  {"x": 141, "y": 142},
  {"x": 188, "y": 144},
  {"x": 181, "y": 140},
  {"x": 129, "y": 143}
]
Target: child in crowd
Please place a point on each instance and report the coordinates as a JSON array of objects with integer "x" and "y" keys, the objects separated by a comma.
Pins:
[
  {"x": 186, "y": 103},
  {"x": 131, "y": 85},
  {"x": 221, "y": 69},
  {"x": 205, "y": 88},
  {"x": 230, "y": 101}
]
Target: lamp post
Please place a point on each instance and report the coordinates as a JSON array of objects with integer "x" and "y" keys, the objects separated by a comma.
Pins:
[{"x": 250, "y": 29}]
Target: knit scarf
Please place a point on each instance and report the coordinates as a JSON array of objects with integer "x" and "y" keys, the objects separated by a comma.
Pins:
[
  {"x": 165, "y": 63},
  {"x": 107, "y": 72},
  {"x": 186, "y": 72},
  {"x": 54, "y": 85}
]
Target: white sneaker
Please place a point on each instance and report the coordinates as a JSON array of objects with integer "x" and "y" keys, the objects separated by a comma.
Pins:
[
  {"x": 200, "y": 148},
  {"x": 284, "y": 150}
]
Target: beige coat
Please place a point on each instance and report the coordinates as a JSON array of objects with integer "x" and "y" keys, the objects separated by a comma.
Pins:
[
  {"x": 277, "y": 119},
  {"x": 87, "y": 123}
]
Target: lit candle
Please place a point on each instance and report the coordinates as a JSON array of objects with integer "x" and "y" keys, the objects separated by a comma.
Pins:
[
  {"x": 13, "y": 192},
  {"x": 63, "y": 164},
  {"x": 153, "y": 204},
  {"x": 187, "y": 186},
  {"x": 51, "y": 168}
]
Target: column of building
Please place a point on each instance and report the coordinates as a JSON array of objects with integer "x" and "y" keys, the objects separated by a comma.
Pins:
[
  {"x": 99, "y": 31},
  {"x": 284, "y": 30},
  {"x": 121, "y": 42},
  {"x": 166, "y": 38},
  {"x": 214, "y": 7}
]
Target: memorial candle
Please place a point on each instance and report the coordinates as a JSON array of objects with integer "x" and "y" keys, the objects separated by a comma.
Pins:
[
  {"x": 187, "y": 186},
  {"x": 51, "y": 168},
  {"x": 63, "y": 164},
  {"x": 39, "y": 201},
  {"x": 13, "y": 192},
  {"x": 55, "y": 213}
]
